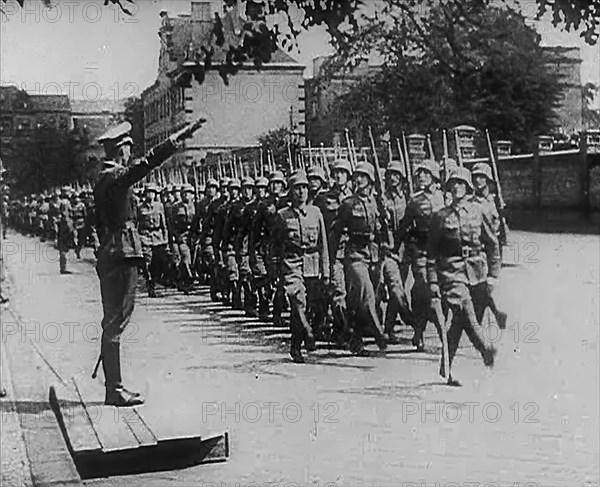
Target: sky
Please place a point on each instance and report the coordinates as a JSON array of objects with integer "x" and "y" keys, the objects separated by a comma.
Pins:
[{"x": 88, "y": 51}]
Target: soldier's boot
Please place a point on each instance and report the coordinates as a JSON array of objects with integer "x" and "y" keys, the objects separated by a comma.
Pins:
[
  {"x": 340, "y": 328},
  {"x": 500, "y": 316},
  {"x": 151, "y": 288},
  {"x": 389, "y": 322},
  {"x": 278, "y": 303},
  {"x": 116, "y": 394},
  {"x": 475, "y": 333},
  {"x": 250, "y": 299}
]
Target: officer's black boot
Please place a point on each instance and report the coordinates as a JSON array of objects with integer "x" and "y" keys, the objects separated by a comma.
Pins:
[
  {"x": 295, "y": 348},
  {"x": 116, "y": 394}
]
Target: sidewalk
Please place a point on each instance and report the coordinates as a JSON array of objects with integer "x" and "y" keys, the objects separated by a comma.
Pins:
[{"x": 340, "y": 419}]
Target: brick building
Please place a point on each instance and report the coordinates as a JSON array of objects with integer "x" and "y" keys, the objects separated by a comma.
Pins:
[
  {"x": 253, "y": 102},
  {"x": 21, "y": 113}
]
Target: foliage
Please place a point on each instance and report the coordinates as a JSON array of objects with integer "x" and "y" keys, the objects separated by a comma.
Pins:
[
  {"x": 473, "y": 64},
  {"x": 277, "y": 141},
  {"x": 591, "y": 116}
]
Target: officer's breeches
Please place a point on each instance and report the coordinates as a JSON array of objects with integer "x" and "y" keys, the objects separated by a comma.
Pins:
[
  {"x": 361, "y": 294},
  {"x": 118, "y": 281},
  {"x": 398, "y": 303}
]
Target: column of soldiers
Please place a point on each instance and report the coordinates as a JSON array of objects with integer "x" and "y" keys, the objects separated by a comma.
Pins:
[{"x": 317, "y": 244}]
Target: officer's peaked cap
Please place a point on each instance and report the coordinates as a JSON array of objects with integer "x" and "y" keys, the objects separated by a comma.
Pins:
[
  {"x": 484, "y": 169},
  {"x": 316, "y": 172},
  {"x": 247, "y": 181},
  {"x": 461, "y": 174},
  {"x": 116, "y": 134},
  {"x": 342, "y": 165},
  {"x": 366, "y": 168},
  {"x": 277, "y": 176}
]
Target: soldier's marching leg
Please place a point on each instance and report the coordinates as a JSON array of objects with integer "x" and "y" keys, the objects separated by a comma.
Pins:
[
  {"x": 295, "y": 288},
  {"x": 421, "y": 305},
  {"x": 473, "y": 326},
  {"x": 398, "y": 302},
  {"x": 147, "y": 251},
  {"x": 62, "y": 256},
  {"x": 340, "y": 325}
]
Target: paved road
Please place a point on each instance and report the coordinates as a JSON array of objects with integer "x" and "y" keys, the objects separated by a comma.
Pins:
[{"x": 341, "y": 420}]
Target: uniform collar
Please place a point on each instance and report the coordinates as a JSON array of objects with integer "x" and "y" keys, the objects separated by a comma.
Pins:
[{"x": 302, "y": 211}]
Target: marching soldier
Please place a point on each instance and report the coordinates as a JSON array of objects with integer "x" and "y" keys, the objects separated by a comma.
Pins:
[
  {"x": 424, "y": 204},
  {"x": 329, "y": 203},
  {"x": 91, "y": 236},
  {"x": 301, "y": 245},
  {"x": 266, "y": 262},
  {"x": 359, "y": 217},
  {"x": 120, "y": 251},
  {"x": 152, "y": 228},
  {"x": 209, "y": 236},
  {"x": 184, "y": 214},
  {"x": 245, "y": 232},
  {"x": 463, "y": 265},
  {"x": 228, "y": 255},
  {"x": 220, "y": 213},
  {"x": 65, "y": 230},
  {"x": 395, "y": 205},
  {"x": 43, "y": 217},
  {"x": 482, "y": 178},
  {"x": 79, "y": 218},
  {"x": 235, "y": 231},
  {"x": 316, "y": 183},
  {"x": 207, "y": 256}
]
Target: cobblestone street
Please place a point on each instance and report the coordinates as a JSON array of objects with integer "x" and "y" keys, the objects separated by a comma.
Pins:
[{"x": 341, "y": 420}]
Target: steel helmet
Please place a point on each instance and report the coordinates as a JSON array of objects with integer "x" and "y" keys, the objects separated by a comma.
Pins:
[
  {"x": 277, "y": 176},
  {"x": 316, "y": 172},
  {"x": 461, "y": 174},
  {"x": 484, "y": 169},
  {"x": 429, "y": 165},
  {"x": 395, "y": 166},
  {"x": 342, "y": 165},
  {"x": 235, "y": 183},
  {"x": 262, "y": 182},
  {"x": 248, "y": 181},
  {"x": 298, "y": 178},
  {"x": 366, "y": 168}
]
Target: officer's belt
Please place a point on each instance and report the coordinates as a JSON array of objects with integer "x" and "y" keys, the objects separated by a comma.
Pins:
[{"x": 463, "y": 252}]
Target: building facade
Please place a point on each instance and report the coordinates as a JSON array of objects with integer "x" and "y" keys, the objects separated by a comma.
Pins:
[{"x": 252, "y": 103}]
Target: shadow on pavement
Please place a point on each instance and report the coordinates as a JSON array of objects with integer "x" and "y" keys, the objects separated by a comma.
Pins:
[{"x": 554, "y": 221}]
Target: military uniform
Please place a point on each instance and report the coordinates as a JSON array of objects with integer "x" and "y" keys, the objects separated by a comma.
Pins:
[
  {"x": 462, "y": 256},
  {"x": 301, "y": 245},
  {"x": 65, "y": 232},
  {"x": 206, "y": 253},
  {"x": 152, "y": 228},
  {"x": 79, "y": 219},
  {"x": 120, "y": 252},
  {"x": 359, "y": 217},
  {"x": 421, "y": 208},
  {"x": 395, "y": 206},
  {"x": 184, "y": 213}
]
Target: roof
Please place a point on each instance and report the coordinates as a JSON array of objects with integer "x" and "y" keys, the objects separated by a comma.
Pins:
[
  {"x": 50, "y": 103},
  {"x": 93, "y": 107}
]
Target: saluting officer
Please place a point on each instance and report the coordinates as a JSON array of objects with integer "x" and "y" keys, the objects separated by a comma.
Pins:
[
  {"x": 463, "y": 265},
  {"x": 359, "y": 218},
  {"x": 424, "y": 204},
  {"x": 120, "y": 251},
  {"x": 300, "y": 244},
  {"x": 152, "y": 227}
]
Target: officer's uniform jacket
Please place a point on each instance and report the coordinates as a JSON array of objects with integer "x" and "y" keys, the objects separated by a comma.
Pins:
[
  {"x": 421, "y": 208},
  {"x": 115, "y": 212},
  {"x": 152, "y": 224},
  {"x": 359, "y": 218},
  {"x": 462, "y": 245},
  {"x": 301, "y": 242}
]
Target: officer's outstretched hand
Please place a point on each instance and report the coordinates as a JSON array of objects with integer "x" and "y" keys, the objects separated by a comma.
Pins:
[
  {"x": 435, "y": 290},
  {"x": 187, "y": 131}
]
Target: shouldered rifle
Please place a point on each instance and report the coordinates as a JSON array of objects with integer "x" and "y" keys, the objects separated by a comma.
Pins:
[
  {"x": 380, "y": 191},
  {"x": 458, "y": 151},
  {"x": 501, "y": 204},
  {"x": 406, "y": 171},
  {"x": 409, "y": 175},
  {"x": 446, "y": 154}
]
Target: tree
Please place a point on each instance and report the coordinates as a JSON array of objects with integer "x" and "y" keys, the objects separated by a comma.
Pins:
[
  {"x": 591, "y": 116},
  {"x": 278, "y": 22},
  {"x": 472, "y": 63},
  {"x": 277, "y": 141}
]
